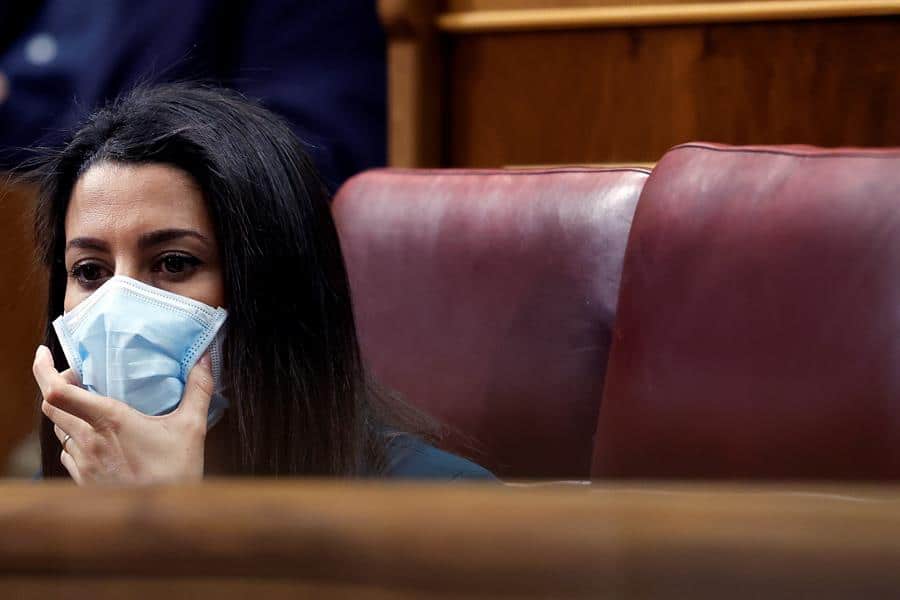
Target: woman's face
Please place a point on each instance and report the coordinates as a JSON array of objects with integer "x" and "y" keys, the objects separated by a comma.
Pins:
[{"x": 148, "y": 222}]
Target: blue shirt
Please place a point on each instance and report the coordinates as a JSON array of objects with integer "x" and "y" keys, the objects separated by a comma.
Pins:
[{"x": 409, "y": 457}]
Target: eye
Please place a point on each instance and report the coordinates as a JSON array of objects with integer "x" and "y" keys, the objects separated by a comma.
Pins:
[
  {"x": 177, "y": 264},
  {"x": 90, "y": 274}
]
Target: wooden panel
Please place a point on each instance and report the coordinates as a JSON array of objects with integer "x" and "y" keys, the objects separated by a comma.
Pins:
[
  {"x": 456, "y": 6},
  {"x": 659, "y": 541},
  {"x": 628, "y": 94},
  {"x": 606, "y": 14},
  {"x": 414, "y": 81},
  {"x": 21, "y": 310},
  {"x": 191, "y": 588}
]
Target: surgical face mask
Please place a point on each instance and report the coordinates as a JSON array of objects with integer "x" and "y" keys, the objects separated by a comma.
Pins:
[{"x": 137, "y": 343}]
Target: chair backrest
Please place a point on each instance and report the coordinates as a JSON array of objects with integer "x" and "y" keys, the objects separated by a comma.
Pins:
[
  {"x": 758, "y": 328},
  {"x": 487, "y": 299}
]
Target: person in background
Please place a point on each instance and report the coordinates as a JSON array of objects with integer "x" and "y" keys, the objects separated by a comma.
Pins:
[
  {"x": 200, "y": 307},
  {"x": 319, "y": 64}
]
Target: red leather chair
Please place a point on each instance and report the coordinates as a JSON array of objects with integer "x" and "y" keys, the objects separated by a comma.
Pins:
[
  {"x": 758, "y": 330},
  {"x": 487, "y": 299}
]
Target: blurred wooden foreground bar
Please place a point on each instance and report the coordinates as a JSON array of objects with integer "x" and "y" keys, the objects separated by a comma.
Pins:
[{"x": 369, "y": 540}]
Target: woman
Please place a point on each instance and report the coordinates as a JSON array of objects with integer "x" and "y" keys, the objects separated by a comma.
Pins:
[{"x": 189, "y": 201}]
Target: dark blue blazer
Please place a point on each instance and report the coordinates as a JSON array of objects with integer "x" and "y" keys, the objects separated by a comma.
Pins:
[{"x": 320, "y": 64}]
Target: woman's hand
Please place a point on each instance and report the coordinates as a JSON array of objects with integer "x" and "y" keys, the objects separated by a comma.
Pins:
[{"x": 113, "y": 443}]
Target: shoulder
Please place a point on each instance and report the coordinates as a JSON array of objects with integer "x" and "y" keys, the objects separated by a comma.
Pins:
[{"x": 410, "y": 457}]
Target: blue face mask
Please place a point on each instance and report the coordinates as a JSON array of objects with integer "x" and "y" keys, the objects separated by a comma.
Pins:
[{"x": 137, "y": 343}]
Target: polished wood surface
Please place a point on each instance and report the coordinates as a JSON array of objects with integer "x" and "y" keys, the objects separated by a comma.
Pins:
[
  {"x": 629, "y": 94},
  {"x": 529, "y": 82},
  {"x": 21, "y": 310},
  {"x": 455, "y": 6},
  {"x": 415, "y": 71},
  {"x": 660, "y": 13},
  {"x": 405, "y": 540}
]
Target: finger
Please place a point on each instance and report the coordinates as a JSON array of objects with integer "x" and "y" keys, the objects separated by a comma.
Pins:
[
  {"x": 198, "y": 390},
  {"x": 92, "y": 408},
  {"x": 71, "y": 466},
  {"x": 59, "y": 392},
  {"x": 69, "y": 423},
  {"x": 71, "y": 446},
  {"x": 46, "y": 374},
  {"x": 43, "y": 368},
  {"x": 71, "y": 376},
  {"x": 61, "y": 436}
]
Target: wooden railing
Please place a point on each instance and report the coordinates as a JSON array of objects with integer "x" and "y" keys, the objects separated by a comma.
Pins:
[
  {"x": 370, "y": 540},
  {"x": 622, "y": 14}
]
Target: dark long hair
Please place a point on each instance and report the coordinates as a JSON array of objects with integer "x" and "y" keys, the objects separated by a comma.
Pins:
[{"x": 301, "y": 402}]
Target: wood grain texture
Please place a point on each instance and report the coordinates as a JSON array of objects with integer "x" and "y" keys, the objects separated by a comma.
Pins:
[
  {"x": 454, "y": 6},
  {"x": 645, "y": 541},
  {"x": 21, "y": 311},
  {"x": 661, "y": 13},
  {"x": 414, "y": 81},
  {"x": 192, "y": 588},
  {"x": 624, "y": 95}
]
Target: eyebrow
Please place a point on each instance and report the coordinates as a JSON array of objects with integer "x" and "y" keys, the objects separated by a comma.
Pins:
[
  {"x": 87, "y": 243},
  {"x": 146, "y": 240},
  {"x": 161, "y": 236}
]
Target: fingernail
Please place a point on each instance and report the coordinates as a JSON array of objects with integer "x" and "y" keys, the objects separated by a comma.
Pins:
[
  {"x": 38, "y": 351},
  {"x": 205, "y": 360}
]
